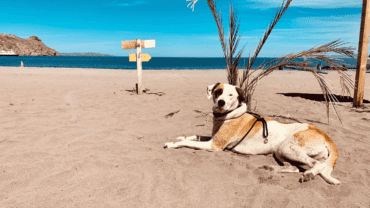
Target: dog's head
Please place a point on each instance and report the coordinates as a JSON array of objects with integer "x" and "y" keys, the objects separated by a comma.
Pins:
[{"x": 226, "y": 97}]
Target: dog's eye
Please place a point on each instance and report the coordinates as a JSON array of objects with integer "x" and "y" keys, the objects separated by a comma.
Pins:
[{"x": 231, "y": 95}]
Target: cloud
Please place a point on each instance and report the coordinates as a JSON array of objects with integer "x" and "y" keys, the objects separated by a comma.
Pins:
[
  {"x": 316, "y": 4},
  {"x": 304, "y": 33},
  {"x": 125, "y": 3}
]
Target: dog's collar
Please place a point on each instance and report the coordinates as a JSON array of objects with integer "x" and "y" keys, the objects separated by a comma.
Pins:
[
  {"x": 239, "y": 111},
  {"x": 218, "y": 115}
]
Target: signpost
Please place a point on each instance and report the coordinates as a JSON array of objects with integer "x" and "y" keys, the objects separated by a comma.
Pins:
[
  {"x": 362, "y": 54},
  {"x": 139, "y": 57}
]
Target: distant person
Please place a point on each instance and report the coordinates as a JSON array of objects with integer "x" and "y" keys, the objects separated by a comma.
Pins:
[{"x": 319, "y": 67}]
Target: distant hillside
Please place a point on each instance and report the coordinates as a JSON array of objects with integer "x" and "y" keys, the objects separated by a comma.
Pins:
[
  {"x": 32, "y": 46},
  {"x": 84, "y": 54}
]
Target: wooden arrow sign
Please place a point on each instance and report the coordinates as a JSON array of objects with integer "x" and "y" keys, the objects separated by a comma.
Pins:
[
  {"x": 131, "y": 44},
  {"x": 145, "y": 57}
]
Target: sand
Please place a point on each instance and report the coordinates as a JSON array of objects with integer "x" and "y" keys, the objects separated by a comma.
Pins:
[{"x": 82, "y": 138}]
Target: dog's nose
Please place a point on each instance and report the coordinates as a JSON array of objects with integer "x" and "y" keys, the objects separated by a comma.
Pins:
[{"x": 221, "y": 103}]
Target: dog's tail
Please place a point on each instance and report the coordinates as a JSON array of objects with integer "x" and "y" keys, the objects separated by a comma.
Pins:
[{"x": 330, "y": 163}]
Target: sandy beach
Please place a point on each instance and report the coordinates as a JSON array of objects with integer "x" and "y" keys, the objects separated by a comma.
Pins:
[{"x": 81, "y": 138}]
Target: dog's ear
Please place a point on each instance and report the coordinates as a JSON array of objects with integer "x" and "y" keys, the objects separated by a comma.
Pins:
[
  {"x": 210, "y": 90},
  {"x": 241, "y": 96}
]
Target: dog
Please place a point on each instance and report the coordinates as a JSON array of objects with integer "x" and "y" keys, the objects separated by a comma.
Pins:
[{"x": 292, "y": 145}]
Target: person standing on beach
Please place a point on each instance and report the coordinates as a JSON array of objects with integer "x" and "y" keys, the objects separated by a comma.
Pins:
[{"x": 319, "y": 67}]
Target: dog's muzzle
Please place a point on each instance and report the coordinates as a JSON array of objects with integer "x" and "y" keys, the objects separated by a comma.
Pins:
[
  {"x": 221, "y": 103},
  {"x": 218, "y": 107}
]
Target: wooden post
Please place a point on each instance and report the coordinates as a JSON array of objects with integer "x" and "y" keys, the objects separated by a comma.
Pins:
[
  {"x": 362, "y": 54},
  {"x": 139, "y": 67},
  {"x": 139, "y": 57}
]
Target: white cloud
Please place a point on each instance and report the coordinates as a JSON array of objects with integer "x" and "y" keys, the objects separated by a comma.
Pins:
[
  {"x": 127, "y": 2},
  {"x": 317, "y": 4},
  {"x": 305, "y": 33}
]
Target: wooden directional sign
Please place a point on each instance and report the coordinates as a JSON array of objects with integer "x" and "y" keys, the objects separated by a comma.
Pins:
[
  {"x": 131, "y": 44},
  {"x": 138, "y": 56},
  {"x": 145, "y": 57}
]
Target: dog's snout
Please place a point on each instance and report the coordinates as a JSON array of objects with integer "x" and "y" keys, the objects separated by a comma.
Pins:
[{"x": 221, "y": 103}]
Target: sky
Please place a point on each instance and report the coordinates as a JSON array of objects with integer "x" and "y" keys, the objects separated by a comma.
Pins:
[{"x": 100, "y": 25}]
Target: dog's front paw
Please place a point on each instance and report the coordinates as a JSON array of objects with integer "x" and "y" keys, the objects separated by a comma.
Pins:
[
  {"x": 189, "y": 138},
  {"x": 170, "y": 145},
  {"x": 182, "y": 138},
  {"x": 307, "y": 177}
]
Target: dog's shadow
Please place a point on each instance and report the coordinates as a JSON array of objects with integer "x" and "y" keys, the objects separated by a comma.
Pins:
[{"x": 320, "y": 97}]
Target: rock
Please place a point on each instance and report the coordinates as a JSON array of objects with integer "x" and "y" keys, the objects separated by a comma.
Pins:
[
  {"x": 32, "y": 46},
  {"x": 34, "y": 38}
]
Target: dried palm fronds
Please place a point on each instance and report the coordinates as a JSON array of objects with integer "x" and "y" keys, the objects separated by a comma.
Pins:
[
  {"x": 248, "y": 82},
  {"x": 310, "y": 55},
  {"x": 231, "y": 57},
  {"x": 192, "y": 4}
]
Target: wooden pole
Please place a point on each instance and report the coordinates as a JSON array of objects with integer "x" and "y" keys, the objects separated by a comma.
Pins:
[
  {"x": 362, "y": 54},
  {"x": 139, "y": 67}
]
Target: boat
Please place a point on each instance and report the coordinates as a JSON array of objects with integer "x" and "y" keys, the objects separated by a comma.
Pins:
[{"x": 8, "y": 53}]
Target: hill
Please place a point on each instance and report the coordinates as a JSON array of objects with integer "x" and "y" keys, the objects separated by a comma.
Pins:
[{"x": 32, "y": 46}]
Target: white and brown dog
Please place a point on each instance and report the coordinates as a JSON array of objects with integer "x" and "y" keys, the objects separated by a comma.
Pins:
[{"x": 300, "y": 144}]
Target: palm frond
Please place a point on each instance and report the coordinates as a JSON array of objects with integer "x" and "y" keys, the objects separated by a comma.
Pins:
[
  {"x": 278, "y": 15},
  {"x": 220, "y": 27},
  {"x": 248, "y": 82},
  {"x": 192, "y": 4},
  {"x": 317, "y": 53},
  {"x": 231, "y": 57}
]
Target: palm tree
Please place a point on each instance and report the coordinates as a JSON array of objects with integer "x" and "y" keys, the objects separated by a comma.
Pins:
[{"x": 248, "y": 81}]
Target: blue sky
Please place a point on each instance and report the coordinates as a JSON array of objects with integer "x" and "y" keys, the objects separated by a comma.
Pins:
[{"x": 101, "y": 25}]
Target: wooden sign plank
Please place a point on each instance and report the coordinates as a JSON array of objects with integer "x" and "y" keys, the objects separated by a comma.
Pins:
[
  {"x": 132, "y": 57},
  {"x": 148, "y": 44},
  {"x": 131, "y": 44},
  {"x": 145, "y": 57}
]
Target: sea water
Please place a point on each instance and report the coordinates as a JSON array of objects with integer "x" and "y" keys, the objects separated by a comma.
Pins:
[{"x": 121, "y": 62}]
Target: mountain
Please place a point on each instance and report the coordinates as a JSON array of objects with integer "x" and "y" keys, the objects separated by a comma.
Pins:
[
  {"x": 32, "y": 46},
  {"x": 84, "y": 54}
]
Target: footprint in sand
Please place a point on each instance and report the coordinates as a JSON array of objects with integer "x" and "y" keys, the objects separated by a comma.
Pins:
[{"x": 71, "y": 100}]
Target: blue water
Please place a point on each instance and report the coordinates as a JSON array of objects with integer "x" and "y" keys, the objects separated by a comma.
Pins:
[{"x": 119, "y": 62}]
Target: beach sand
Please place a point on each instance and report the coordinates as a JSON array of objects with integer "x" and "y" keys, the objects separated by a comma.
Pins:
[{"x": 82, "y": 138}]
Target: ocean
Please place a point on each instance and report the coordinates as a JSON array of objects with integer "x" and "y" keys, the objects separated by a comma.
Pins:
[{"x": 120, "y": 62}]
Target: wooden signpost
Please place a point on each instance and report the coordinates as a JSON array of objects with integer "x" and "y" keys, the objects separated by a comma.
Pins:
[
  {"x": 139, "y": 57},
  {"x": 362, "y": 54}
]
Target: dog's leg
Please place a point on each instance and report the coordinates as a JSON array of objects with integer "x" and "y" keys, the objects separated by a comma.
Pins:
[
  {"x": 190, "y": 144},
  {"x": 194, "y": 138},
  {"x": 325, "y": 174},
  {"x": 296, "y": 153},
  {"x": 282, "y": 168},
  {"x": 189, "y": 138}
]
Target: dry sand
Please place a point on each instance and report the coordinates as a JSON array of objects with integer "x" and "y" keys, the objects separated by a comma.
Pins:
[{"x": 80, "y": 138}]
